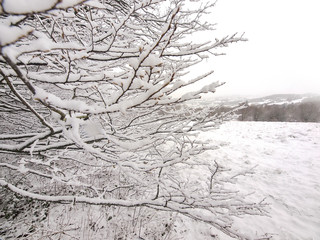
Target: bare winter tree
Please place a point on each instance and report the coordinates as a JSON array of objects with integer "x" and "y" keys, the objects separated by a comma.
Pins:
[{"x": 90, "y": 110}]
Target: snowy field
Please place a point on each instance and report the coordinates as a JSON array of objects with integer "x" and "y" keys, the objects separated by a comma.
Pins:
[
  {"x": 287, "y": 175},
  {"x": 287, "y": 156}
]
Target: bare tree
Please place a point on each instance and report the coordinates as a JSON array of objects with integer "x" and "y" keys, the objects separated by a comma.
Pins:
[{"x": 91, "y": 112}]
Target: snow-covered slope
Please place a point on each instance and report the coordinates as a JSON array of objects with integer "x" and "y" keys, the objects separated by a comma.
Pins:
[
  {"x": 276, "y": 99},
  {"x": 279, "y": 99},
  {"x": 287, "y": 156}
]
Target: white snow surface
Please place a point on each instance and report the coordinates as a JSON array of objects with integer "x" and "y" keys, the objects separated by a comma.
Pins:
[
  {"x": 287, "y": 156},
  {"x": 11, "y": 34},
  {"x": 32, "y": 6},
  {"x": 29, "y": 6},
  {"x": 287, "y": 175}
]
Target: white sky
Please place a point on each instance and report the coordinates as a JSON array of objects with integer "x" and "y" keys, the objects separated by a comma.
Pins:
[{"x": 283, "y": 51}]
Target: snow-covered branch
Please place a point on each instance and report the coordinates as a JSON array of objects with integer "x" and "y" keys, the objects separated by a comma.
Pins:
[{"x": 96, "y": 101}]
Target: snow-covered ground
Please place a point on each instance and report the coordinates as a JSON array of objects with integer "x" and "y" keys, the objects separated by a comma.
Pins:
[
  {"x": 287, "y": 156},
  {"x": 287, "y": 174}
]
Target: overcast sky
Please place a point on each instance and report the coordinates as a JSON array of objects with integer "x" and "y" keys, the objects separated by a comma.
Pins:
[{"x": 283, "y": 51}]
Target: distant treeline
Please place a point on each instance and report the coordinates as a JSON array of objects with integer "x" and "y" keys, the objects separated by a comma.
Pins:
[
  {"x": 306, "y": 111},
  {"x": 295, "y": 112}
]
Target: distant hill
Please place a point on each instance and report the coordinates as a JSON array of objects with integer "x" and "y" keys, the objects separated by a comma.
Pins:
[
  {"x": 279, "y": 99},
  {"x": 279, "y": 107}
]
